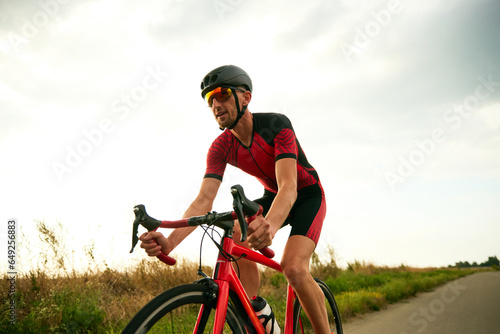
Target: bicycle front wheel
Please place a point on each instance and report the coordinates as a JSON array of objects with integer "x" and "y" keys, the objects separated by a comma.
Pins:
[
  {"x": 176, "y": 311},
  {"x": 301, "y": 323}
]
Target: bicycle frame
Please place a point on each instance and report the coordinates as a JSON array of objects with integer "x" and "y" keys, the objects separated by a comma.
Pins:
[{"x": 227, "y": 280}]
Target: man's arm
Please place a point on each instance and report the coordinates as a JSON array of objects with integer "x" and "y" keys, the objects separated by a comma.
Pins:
[
  {"x": 265, "y": 228},
  {"x": 200, "y": 206}
]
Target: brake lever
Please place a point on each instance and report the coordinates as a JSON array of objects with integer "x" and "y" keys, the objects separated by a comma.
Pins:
[
  {"x": 142, "y": 218},
  {"x": 238, "y": 209},
  {"x": 135, "y": 227}
]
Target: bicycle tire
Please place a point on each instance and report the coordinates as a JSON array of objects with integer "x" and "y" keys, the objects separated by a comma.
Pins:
[
  {"x": 176, "y": 311},
  {"x": 301, "y": 323}
]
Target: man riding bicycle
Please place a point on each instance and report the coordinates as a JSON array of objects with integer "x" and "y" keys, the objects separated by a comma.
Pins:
[{"x": 263, "y": 145}]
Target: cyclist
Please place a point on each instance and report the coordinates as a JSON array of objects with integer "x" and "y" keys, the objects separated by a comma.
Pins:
[{"x": 263, "y": 145}]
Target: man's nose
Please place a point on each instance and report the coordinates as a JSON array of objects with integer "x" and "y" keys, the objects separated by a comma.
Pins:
[{"x": 216, "y": 104}]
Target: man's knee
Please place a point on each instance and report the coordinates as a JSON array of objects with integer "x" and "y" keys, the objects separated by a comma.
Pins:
[
  {"x": 295, "y": 272},
  {"x": 296, "y": 258}
]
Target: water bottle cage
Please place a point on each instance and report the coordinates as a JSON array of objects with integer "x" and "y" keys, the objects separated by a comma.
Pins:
[{"x": 267, "y": 318}]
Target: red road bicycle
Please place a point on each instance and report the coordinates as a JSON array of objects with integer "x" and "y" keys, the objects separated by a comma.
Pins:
[{"x": 219, "y": 304}]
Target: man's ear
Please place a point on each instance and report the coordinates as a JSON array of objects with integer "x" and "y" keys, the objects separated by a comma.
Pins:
[{"x": 247, "y": 97}]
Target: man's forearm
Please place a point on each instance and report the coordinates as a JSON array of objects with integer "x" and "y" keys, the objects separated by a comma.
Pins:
[
  {"x": 195, "y": 209},
  {"x": 282, "y": 204}
]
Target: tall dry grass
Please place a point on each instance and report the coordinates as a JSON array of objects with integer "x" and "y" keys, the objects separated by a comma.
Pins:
[{"x": 96, "y": 299}]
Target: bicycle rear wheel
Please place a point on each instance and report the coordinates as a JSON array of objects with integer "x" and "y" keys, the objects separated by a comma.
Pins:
[
  {"x": 176, "y": 311},
  {"x": 301, "y": 323}
]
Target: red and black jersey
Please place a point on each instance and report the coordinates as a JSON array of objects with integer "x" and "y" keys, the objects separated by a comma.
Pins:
[{"x": 273, "y": 138}]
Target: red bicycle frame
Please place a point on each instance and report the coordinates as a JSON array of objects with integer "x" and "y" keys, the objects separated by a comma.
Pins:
[{"x": 227, "y": 279}]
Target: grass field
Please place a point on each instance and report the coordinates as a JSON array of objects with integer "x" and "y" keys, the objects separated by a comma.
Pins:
[{"x": 103, "y": 301}]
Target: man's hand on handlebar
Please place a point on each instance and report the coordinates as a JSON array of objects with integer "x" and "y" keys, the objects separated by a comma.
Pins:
[
  {"x": 260, "y": 233},
  {"x": 154, "y": 243}
]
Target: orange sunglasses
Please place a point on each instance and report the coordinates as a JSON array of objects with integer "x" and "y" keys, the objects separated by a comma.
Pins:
[{"x": 220, "y": 94}]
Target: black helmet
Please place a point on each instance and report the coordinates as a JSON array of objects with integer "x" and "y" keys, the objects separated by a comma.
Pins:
[{"x": 228, "y": 75}]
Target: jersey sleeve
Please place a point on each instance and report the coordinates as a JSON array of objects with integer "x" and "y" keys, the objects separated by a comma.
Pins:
[
  {"x": 285, "y": 144},
  {"x": 216, "y": 160}
]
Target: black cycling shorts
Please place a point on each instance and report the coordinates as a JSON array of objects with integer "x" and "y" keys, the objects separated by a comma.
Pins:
[{"x": 307, "y": 214}]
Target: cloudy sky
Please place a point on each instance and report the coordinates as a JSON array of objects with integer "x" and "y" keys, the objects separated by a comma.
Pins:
[{"x": 396, "y": 104}]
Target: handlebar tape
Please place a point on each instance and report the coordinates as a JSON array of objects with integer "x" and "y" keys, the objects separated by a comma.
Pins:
[
  {"x": 267, "y": 252},
  {"x": 166, "y": 259}
]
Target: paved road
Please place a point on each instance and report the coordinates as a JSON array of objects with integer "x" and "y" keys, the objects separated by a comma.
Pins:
[{"x": 469, "y": 305}]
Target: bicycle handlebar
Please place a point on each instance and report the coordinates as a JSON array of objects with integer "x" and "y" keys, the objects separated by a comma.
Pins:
[{"x": 243, "y": 207}]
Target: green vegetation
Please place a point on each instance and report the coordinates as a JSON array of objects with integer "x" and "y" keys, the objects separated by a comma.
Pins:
[
  {"x": 357, "y": 292},
  {"x": 364, "y": 287},
  {"x": 492, "y": 262},
  {"x": 103, "y": 301}
]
